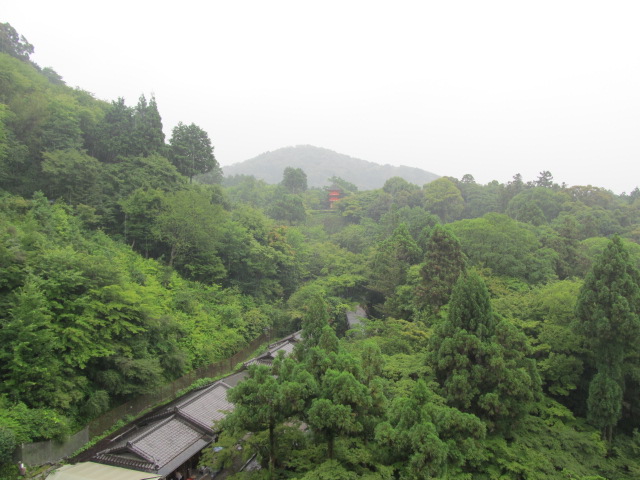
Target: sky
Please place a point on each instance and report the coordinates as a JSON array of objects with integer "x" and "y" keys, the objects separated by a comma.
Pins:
[{"x": 487, "y": 88}]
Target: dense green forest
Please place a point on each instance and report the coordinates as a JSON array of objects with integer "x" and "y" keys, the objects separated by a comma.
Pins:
[{"x": 503, "y": 338}]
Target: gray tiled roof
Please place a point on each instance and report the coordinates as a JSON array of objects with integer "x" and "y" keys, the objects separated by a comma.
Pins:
[
  {"x": 161, "y": 442},
  {"x": 209, "y": 405},
  {"x": 286, "y": 345},
  {"x": 287, "y": 348},
  {"x": 164, "y": 440}
]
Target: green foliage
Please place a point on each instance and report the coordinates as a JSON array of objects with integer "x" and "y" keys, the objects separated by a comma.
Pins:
[
  {"x": 30, "y": 424},
  {"x": 537, "y": 205},
  {"x": 314, "y": 319},
  {"x": 608, "y": 310},
  {"x": 191, "y": 151},
  {"x": 443, "y": 198},
  {"x": 113, "y": 134},
  {"x": 389, "y": 264},
  {"x": 481, "y": 366},
  {"x": 190, "y": 225},
  {"x": 86, "y": 323},
  {"x": 7, "y": 444},
  {"x": 547, "y": 314},
  {"x": 14, "y": 44},
  {"x": 506, "y": 247},
  {"x": 294, "y": 180},
  {"x": 424, "y": 438},
  {"x": 356, "y": 208},
  {"x": 147, "y": 133},
  {"x": 288, "y": 208},
  {"x": 72, "y": 176},
  {"x": 263, "y": 401},
  {"x": 443, "y": 264}
]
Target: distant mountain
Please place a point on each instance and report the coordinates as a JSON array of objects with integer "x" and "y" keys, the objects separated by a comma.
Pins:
[{"x": 321, "y": 164}]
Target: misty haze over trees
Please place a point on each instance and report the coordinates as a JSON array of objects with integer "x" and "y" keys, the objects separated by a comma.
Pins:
[
  {"x": 503, "y": 338},
  {"x": 320, "y": 164}
]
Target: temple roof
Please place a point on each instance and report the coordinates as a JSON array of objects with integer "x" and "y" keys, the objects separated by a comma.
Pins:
[
  {"x": 161, "y": 442},
  {"x": 285, "y": 345}
]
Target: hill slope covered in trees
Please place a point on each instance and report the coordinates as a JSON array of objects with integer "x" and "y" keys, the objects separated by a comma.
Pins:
[
  {"x": 504, "y": 331},
  {"x": 320, "y": 164}
]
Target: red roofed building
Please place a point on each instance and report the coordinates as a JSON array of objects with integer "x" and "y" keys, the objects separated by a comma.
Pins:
[{"x": 335, "y": 194}]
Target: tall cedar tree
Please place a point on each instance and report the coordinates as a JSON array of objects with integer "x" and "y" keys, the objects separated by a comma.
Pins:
[
  {"x": 443, "y": 264},
  {"x": 608, "y": 310},
  {"x": 480, "y": 364},
  {"x": 147, "y": 123}
]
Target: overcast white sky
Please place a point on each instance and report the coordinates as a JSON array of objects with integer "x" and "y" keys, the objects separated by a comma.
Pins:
[{"x": 491, "y": 88}]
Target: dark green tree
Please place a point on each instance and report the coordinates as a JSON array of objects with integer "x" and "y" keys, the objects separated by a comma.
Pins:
[
  {"x": 340, "y": 408},
  {"x": 191, "y": 227},
  {"x": 147, "y": 124},
  {"x": 7, "y": 444},
  {"x": 192, "y": 152},
  {"x": 114, "y": 134},
  {"x": 61, "y": 130},
  {"x": 287, "y": 208},
  {"x": 608, "y": 311},
  {"x": 396, "y": 185},
  {"x": 482, "y": 367},
  {"x": 426, "y": 439},
  {"x": 314, "y": 319},
  {"x": 30, "y": 355},
  {"x": 73, "y": 176},
  {"x": 443, "y": 264},
  {"x": 388, "y": 267},
  {"x": 264, "y": 401}
]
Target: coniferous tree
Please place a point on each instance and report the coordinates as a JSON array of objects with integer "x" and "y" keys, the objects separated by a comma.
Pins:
[
  {"x": 148, "y": 134},
  {"x": 389, "y": 265},
  {"x": 481, "y": 365},
  {"x": 608, "y": 310},
  {"x": 263, "y": 401},
  {"x": 443, "y": 264}
]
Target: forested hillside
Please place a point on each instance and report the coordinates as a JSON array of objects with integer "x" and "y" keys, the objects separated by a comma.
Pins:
[
  {"x": 320, "y": 164},
  {"x": 503, "y": 338}
]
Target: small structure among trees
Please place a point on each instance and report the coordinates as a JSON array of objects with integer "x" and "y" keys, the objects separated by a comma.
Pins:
[{"x": 335, "y": 194}]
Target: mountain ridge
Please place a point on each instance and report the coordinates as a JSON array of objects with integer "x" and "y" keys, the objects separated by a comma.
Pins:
[{"x": 320, "y": 164}]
